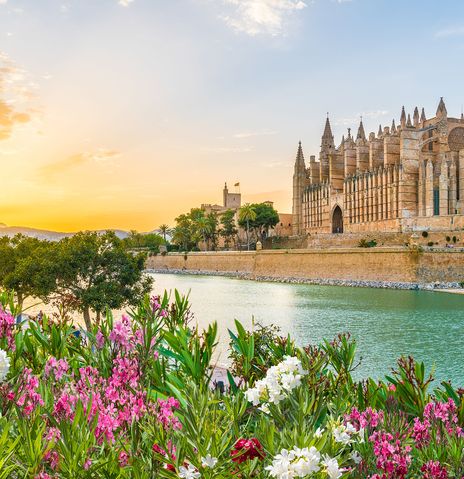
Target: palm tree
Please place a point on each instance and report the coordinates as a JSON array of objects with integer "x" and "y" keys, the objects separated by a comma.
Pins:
[
  {"x": 164, "y": 230},
  {"x": 246, "y": 214},
  {"x": 203, "y": 227}
]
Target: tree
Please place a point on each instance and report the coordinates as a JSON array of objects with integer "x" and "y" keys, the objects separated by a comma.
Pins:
[
  {"x": 151, "y": 241},
  {"x": 164, "y": 230},
  {"x": 184, "y": 233},
  {"x": 203, "y": 227},
  {"x": 27, "y": 266},
  {"x": 99, "y": 272},
  {"x": 266, "y": 217},
  {"x": 247, "y": 214},
  {"x": 228, "y": 229}
]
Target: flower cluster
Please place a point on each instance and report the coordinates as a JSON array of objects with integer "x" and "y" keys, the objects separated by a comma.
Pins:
[
  {"x": 393, "y": 458},
  {"x": 440, "y": 420},
  {"x": 7, "y": 325},
  {"x": 247, "y": 449},
  {"x": 434, "y": 470},
  {"x": 4, "y": 365},
  {"x": 56, "y": 367},
  {"x": 302, "y": 462},
  {"x": 27, "y": 396},
  {"x": 368, "y": 419},
  {"x": 278, "y": 382}
]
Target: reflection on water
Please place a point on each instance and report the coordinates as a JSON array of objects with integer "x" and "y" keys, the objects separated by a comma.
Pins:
[{"x": 385, "y": 323}]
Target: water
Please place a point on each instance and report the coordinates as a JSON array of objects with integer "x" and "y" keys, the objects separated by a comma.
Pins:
[{"x": 385, "y": 323}]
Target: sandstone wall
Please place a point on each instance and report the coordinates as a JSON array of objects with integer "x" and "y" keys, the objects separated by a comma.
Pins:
[{"x": 376, "y": 264}]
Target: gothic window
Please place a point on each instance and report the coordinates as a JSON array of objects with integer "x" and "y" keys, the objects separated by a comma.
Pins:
[
  {"x": 431, "y": 143},
  {"x": 436, "y": 201}
]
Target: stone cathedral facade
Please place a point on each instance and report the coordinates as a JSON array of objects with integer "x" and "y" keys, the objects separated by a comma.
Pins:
[{"x": 408, "y": 177}]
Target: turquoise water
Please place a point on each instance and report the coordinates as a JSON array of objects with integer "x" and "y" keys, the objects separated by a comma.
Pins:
[{"x": 385, "y": 323}]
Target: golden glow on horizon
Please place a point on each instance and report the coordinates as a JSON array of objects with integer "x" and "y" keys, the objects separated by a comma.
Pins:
[{"x": 66, "y": 165}]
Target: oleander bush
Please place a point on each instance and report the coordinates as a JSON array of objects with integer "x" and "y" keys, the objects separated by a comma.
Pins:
[{"x": 134, "y": 397}]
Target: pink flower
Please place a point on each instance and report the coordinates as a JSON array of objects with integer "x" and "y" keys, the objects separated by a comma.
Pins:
[
  {"x": 434, "y": 470},
  {"x": 121, "y": 335},
  {"x": 56, "y": 367},
  {"x": 246, "y": 449},
  {"x": 7, "y": 327},
  {"x": 123, "y": 459},
  {"x": 28, "y": 397},
  {"x": 100, "y": 339}
]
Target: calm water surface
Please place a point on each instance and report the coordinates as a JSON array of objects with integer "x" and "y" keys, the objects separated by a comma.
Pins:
[{"x": 385, "y": 323}]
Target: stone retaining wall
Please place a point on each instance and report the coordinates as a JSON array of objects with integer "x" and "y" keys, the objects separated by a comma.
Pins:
[{"x": 377, "y": 264}]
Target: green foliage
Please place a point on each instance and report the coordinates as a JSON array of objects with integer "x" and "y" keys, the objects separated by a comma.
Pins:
[
  {"x": 98, "y": 272},
  {"x": 228, "y": 228},
  {"x": 252, "y": 352},
  {"x": 366, "y": 243},
  {"x": 27, "y": 266},
  {"x": 196, "y": 227},
  {"x": 175, "y": 358},
  {"x": 265, "y": 218},
  {"x": 151, "y": 241}
]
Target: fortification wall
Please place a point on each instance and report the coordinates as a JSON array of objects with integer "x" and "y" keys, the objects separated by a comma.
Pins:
[{"x": 376, "y": 264}]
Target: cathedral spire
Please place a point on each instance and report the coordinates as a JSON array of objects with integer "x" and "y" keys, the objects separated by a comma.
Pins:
[
  {"x": 408, "y": 123},
  {"x": 299, "y": 161},
  {"x": 416, "y": 117},
  {"x": 379, "y": 133},
  {"x": 327, "y": 137},
  {"x": 361, "y": 133},
  {"x": 423, "y": 118},
  {"x": 393, "y": 127},
  {"x": 403, "y": 118},
  {"x": 441, "y": 110}
]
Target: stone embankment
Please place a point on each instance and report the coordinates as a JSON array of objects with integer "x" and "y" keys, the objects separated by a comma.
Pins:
[
  {"x": 398, "y": 268},
  {"x": 446, "y": 287}
]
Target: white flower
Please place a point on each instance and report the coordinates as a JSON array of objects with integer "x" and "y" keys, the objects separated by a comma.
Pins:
[
  {"x": 356, "y": 457},
  {"x": 319, "y": 432},
  {"x": 279, "y": 381},
  {"x": 331, "y": 466},
  {"x": 4, "y": 365},
  {"x": 209, "y": 461},
  {"x": 188, "y": 472},
  {"x": 295, "y": 463},
  {"x": 341, "y": 435}
]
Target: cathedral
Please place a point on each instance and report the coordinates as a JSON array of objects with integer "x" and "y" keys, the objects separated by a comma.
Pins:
[{"x": 408, "y": 177}]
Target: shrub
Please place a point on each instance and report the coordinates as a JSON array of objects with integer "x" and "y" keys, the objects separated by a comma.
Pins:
[
  {"x": 448, "y": 239},
  {"x": 430, "y": 243},
  {"x": 133, "y": 398},
  {"x": 454, "y": 239},
  {"x": 366, "y": 243},
  {"x": 425, "y": 234}
]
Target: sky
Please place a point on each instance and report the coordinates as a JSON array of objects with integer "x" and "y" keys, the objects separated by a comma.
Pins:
[{"x": 125, "y": 113}]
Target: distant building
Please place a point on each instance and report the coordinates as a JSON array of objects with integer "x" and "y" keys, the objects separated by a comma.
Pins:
[
  {"x": 407, "y": 177},
  {"x": 231, "y": 201}
]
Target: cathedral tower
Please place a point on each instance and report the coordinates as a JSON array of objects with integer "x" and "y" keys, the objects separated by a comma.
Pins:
[{"x": 299, "y": 180}]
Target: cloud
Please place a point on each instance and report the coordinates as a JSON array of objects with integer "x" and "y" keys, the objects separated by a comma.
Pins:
[
  {"x": 225, "y": 149},
  {"x": 255, "y": 17},
  {"x": 455, "y": 31},
  {"x": 370, "y": 115},
  {"x": 101, "y": 155},
  {"x": 251, "y": 134},
  {"x": 125, "y": 3},
  {"x": 3, "y": 2},
  {"x": 17, "y": 97}
]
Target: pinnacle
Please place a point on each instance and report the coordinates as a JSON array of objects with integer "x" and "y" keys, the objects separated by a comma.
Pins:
[
  {"x": 423, "y": 117},
  {"x": 441, "y": 110},
  {"x": 408, "y": 123},
  {"x": 361, "y": 133}
]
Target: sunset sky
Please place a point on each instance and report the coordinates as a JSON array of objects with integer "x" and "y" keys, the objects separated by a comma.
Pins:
[{"x": 126, "y": 113}]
